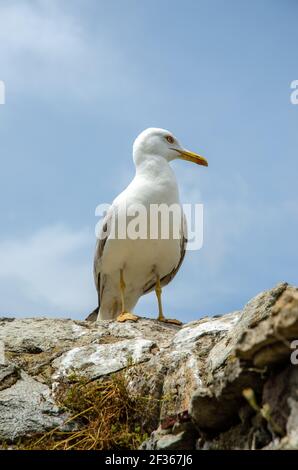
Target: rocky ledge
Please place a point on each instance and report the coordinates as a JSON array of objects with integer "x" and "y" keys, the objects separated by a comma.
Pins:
[{"x": 226, "y": 382}]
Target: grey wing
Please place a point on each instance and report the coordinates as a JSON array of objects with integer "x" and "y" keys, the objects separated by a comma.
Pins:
[
  {"x": 166, "y": 279},
  {"x": 99, "y": 250},
  {"x": 103, "y": 236}
]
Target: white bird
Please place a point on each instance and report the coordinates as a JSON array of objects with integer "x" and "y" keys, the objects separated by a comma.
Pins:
[{"x": 126, "y": 268}]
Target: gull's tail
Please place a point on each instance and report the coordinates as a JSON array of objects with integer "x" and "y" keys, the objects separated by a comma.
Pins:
[{"x": 93, "y": 315}]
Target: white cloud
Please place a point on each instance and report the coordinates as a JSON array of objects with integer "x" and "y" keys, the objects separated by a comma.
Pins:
[
  {"x": 48, "y": 51},
  {"x": 49, "y": 272}
]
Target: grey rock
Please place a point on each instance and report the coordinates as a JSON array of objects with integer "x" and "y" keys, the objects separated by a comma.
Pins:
[
  {"x": 187, "y": 357},
  {"x": 26, "y": 407},
  {"x": 181, "y": 441},
  {"x": 97, "y": 360},
  {"x": 194, "y": 375},
  {"x": 160, "y": 440},
  {"x": 9, "y": 375}
]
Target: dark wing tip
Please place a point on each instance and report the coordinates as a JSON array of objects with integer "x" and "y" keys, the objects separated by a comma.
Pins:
[{"x": 92, "y": 317}]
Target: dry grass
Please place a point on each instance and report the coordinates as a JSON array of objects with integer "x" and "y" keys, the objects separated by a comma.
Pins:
[{"x": 104, "y": 415}]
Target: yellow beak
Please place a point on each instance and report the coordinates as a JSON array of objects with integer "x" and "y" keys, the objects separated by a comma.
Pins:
[{"x": 192, "y": 157}]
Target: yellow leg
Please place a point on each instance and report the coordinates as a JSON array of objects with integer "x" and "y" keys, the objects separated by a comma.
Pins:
[
  {"x": 124, "y": 315},
  {"x": 122, "y": 290},
  {"x": 161, "y": 317}
]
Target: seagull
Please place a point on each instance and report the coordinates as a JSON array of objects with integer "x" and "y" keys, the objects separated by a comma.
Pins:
[{"x": 127, "y": 268}]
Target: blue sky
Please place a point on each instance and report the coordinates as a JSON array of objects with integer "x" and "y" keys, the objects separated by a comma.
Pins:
[{"x": 83, "y": 79}]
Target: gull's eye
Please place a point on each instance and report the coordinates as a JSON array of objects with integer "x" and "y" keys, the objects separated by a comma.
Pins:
[{"x": 170, "y": 139}]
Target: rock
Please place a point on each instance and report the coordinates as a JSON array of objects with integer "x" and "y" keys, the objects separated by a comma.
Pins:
[
  {"x": 292, "y": 401},
  {"x": 26, "y": 407},
  {"x": 187, "y": 358},
  {"x": 225, "y": 382},
  {"x": 234, "y": 363},
  {"x": 160, "y": 440},
  {"x": 181, "y": 441},
  {"x": 97, "y": 360},
  {"x": 9, "y": 375}
]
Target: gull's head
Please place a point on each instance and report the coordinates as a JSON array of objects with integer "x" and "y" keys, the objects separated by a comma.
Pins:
[{"x": 160, "y": 143}]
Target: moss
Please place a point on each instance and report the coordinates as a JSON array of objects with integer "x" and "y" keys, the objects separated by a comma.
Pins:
[
  {"x": 103, "y": 416},
  {"x": 37, "y": 364}
]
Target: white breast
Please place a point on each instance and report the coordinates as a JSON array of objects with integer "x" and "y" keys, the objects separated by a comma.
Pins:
[{"x": 141, "y": 259}]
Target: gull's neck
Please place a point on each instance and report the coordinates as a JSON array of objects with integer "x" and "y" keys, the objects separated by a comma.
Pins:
[
  {"x": 155, "y": 174},
  {"x": 154, "y": 167}
]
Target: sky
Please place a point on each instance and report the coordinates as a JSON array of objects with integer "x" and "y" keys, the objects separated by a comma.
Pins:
[{"x": 82, "y": 79}]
